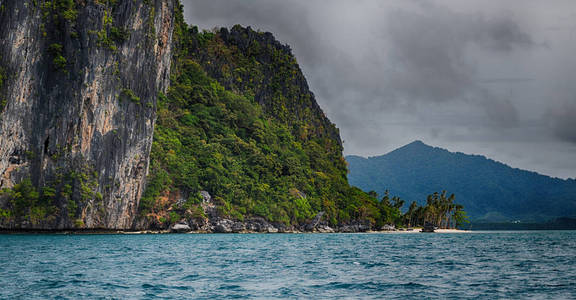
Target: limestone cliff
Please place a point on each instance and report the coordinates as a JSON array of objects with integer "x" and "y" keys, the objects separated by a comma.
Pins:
[{"x": 78, "y": 87}]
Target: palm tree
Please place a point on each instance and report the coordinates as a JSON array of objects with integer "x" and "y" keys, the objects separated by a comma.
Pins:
[
  {"x": 439, "y": 209},
  {"x": 459, "y": 215},
  {"x": 410, "y": 213},
  {"x": 386, "y": 199}
]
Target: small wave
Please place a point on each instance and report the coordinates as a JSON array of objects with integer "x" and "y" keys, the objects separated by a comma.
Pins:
[
  {"x": 158, "y": 288},
  {"x": 190, "y": 277},
  {"x": 286, "y": 292},
  {"x": 181, "y": 287},
  {"x": 167, "y": 264},
  {"x": 108, "y": 285},
  {"x": 369, "y": 286},
  {"x": 412, "y": 285},
  {"x": 153, "y": 287},
  {"x": 78, "y": 281},
  {"x": 51, "y": 284},
  {"x": 232, "y": 287},
  {"x": 560, "y": 285},
  {"x": 347, "y": 285},
  {"x": 374, "y": 265}
]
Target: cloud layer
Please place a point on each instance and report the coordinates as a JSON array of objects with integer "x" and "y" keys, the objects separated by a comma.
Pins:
[{"x": 486, "y": 77}]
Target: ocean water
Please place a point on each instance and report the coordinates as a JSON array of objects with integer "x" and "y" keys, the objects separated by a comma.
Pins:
[{"x": 538, "y": 264}]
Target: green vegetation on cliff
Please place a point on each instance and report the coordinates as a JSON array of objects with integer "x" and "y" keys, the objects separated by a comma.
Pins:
[
  {"x": 242, "y": 125},
  {"x": 36, "y": 206}
]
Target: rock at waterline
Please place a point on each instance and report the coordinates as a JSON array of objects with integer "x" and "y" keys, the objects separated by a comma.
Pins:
[
  {"x": 206, "y": 198},
  {"x": 180, "y": 228},
  {"x": 388, "y": 227}
]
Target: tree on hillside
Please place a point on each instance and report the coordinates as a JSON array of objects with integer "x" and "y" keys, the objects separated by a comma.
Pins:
[
  {"x": 411, "y": 213},
  {"x": 440, "y": 210},
  {"x": 459, "y": 215}
]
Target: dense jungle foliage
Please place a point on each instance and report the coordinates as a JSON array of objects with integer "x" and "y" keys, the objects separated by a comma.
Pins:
[{"x": 255, "y": 157}]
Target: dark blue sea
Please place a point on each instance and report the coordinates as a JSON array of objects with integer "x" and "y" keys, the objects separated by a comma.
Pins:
[{"x": 513, "y": 265}]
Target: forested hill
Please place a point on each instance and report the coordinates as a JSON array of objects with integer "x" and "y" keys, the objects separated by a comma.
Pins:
[
  {"x": 258, "y": 66},
  {"x": 489, "y": 190},
  {"x": 240, "y": 124}
]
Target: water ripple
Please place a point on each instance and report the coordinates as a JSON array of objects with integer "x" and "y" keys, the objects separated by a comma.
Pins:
[{"x": 477, "y": 265}]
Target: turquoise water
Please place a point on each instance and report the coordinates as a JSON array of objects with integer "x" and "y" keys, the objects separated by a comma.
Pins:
[{"x": 487, "y": 265}]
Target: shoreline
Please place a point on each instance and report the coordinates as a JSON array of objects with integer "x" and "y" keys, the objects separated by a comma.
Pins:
[
  {"x": 168, "y": 231},
  {"x": 452, "y": 231}
]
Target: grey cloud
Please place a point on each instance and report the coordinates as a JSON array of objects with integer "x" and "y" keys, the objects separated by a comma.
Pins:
[
  {"x": 288, "y": 21},
  {"x": 429, "y": 48},
  {"x": 563, "y": 120},
  {"x": 459, "y": 74},
  {"x": 503, "y": 34}
]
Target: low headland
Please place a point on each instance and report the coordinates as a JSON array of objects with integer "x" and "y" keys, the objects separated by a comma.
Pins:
[{"x": 439, "y": 215}]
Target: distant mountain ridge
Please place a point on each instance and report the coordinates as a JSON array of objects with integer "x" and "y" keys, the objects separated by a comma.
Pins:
[{"x": 489, "y": 190}]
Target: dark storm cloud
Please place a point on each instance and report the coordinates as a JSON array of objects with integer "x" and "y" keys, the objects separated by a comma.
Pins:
[
  {"x": 502, "y": 34},
  {"x": 562, "y": 120},
  {"x": 470, "y": 75},
  {"x": 430, "y": 47},
  {"x": 289, "y": 19}
]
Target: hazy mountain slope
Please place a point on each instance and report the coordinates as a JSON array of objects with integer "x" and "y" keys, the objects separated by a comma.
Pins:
[{"x": 488, "y": 189}]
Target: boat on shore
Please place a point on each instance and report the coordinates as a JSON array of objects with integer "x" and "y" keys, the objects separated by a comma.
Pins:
[{"x": 429, "y": 227}]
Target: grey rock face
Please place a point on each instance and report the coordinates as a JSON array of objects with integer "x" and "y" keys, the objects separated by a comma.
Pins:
[
  {"x": 223, "y": 226},
  {"x": 325, "y": 229},
  {"x": 315, "y": 222},
  {"x": 238, "y": 227},
  {"x": 80, "y": 104},
  {"x": 355, "y": 227},
  {"x": 180, "y": 228},
  {"x": 205, "y": 196},
  {"x": 388, "y": 227}
]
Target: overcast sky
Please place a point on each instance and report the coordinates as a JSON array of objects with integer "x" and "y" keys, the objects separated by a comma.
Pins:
[{"x": 490, "y": 77}]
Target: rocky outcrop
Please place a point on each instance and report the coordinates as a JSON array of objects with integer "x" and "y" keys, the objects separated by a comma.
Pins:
[
  {"x": 254, "y": 225},
  {"x": 315, "y": 222},
  {"x": 180, "y": 228},
  {"x": 79, "y": 109},
  {"x": 214, "y": 223},
  {"x": 355, "y": 227},
  {"x": 388, "y": 227}
]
